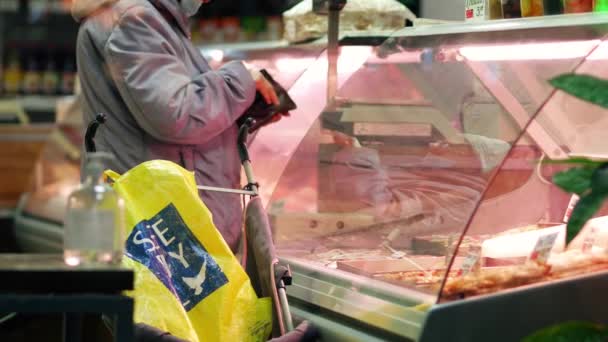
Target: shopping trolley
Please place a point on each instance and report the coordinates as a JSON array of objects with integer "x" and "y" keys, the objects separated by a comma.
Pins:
[{"x": 269, "y": 278}]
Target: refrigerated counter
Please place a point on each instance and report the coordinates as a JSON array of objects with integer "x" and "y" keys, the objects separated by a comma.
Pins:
[
  {"x": 414, "y": 204},
  {"x": 411, "y": 205}
]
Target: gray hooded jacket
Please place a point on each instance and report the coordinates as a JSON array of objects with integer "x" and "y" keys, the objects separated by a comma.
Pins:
[{"x": 137, "y": 65}]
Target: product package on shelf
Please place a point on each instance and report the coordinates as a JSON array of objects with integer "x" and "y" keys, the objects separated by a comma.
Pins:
[
  {"x": 532, "y": 8},
  {"x": 43, "y": 70},
  {"x": 511, "y": 8},
  {"x": 553, "y": 7},
  {"x": 476, "y": 10},
  {"x": 578, "y": 6},
  {"x": 236, "y": 30},
  {"x": 301, "y": 23}
]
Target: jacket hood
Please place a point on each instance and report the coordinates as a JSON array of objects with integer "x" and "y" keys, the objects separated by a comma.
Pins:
[{"x": 82, "y": 8}]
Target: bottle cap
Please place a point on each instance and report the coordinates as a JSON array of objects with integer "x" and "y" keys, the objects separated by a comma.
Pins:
[{"x": 96, "y": 162}]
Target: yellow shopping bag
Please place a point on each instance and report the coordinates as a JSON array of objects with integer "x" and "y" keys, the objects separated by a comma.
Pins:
[{"x": 187, "y": 281}]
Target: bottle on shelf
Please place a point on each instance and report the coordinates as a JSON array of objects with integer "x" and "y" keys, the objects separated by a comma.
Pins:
[
  {"x": 94, "y": 225},
  {"x": 578, "y": 6},
  {"x": 31, "y": 78},
  {"x": 50, "y": 78},
  {"x": 209, "y": 31},
  {"x": 553, "y": 7},
  {"x": 1, "y": 76},
  {"x": 495, "y": 9},
  {"x": 254, "y": 28},
  {"x": 532, "y": 8},
  {"x": 68, "y": 77},
  {"x": 274, "y": 27},
  {"x": 231, "y": 31},
  {"x": 13, "y": 75},
  {"x": 511, "y": 8}
]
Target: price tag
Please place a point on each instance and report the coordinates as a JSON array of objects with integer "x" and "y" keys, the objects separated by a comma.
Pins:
[
  {"x": 543, "y": 248},
  {"x": 573, "y": 201},
  {"x": 589, "y": 240},
  {"x": 471, "y": 262},
  {"x": 475, "y": 10}
]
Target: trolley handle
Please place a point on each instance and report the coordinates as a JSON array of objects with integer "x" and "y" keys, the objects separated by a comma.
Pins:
[
  {"x": 89, "y": 136},
  {"x": 242, "y": 140}
]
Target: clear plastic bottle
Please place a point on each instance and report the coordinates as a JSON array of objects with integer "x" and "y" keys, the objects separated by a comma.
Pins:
[{"x": 94, "y": 226}]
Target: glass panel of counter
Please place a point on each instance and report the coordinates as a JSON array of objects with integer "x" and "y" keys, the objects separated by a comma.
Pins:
[
  {"x": 429, "y": 134},
  {"x": 519, "y": 237}
]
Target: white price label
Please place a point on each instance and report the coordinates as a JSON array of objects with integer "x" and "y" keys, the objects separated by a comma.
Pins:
[
  {"x": 475, "y": 10},
  {"x": 573, "y": 201},
  {"x": 469, "y": 264},
  {"x": 543, "y": 248},
  {"x": 589, "y": 241}
]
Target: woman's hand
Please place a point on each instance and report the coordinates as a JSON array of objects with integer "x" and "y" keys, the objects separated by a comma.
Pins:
[
  {"x": 263, "y": 86},
  {"x": 266, "y": 90}
]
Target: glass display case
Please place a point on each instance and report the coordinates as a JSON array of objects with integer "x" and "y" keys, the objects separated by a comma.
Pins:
[
  {"x": 415, "y": 203},
  {"x": 410, "y": 206}
]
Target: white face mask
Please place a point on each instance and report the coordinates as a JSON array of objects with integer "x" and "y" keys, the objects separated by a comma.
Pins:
[{"x": 190, "y": 7}]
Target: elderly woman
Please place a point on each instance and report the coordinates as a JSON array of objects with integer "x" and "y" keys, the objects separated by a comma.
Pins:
[{"x": 137, "y": 65}]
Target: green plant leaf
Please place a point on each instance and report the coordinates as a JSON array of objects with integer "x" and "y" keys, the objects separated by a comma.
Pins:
[
  {"x": 577, "y": 160},
  {"x": 599, "y": 180},
  {"x": 570, "y": 331},
  {"x": 576, "y": 180},
  {"x": 584, "y": 210},
  {"x": 585, "y": 87}
]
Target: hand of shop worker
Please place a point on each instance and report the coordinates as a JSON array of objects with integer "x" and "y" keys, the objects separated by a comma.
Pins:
[{"x": 342, "y": 139}]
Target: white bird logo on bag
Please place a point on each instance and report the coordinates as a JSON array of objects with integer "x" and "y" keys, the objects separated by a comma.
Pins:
[{"x": 196, "y": 283}]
